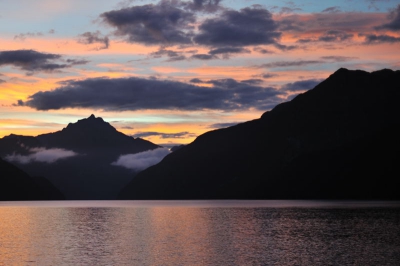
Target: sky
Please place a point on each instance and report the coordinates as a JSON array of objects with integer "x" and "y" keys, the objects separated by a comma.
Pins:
[{"x": 168, "y": 71}]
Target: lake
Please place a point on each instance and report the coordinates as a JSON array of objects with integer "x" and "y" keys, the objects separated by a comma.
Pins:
[{"x": 200, "y": 233}]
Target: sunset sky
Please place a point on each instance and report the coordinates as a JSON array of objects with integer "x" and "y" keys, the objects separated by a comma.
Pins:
[{"x": 168, "y": 71}]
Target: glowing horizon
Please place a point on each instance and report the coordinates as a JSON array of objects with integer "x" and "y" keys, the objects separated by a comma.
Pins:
[{"x": 218, "y": 63}]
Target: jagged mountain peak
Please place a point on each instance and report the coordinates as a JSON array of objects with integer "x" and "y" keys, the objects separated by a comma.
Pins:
[{"x": 90, "y": 125}]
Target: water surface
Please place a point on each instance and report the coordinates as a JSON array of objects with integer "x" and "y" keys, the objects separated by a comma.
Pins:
[{"x": 200, "y": 233}]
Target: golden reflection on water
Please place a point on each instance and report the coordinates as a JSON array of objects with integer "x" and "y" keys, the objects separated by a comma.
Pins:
[{"x": 184, "y": 235}]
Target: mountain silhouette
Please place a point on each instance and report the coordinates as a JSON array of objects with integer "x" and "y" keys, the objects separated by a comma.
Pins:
[
  {"x": 83, "y": 155},
  {"x": 94, "y": 135},
  {"x": 339, "y": 140},
  {"x": 17, "y": 185}
]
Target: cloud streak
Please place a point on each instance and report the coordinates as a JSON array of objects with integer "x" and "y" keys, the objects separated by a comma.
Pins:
[
  {"x": 178, "y": 135},
  {"x": 41, "y": 155},
  {"x": 142, "y": 160}
]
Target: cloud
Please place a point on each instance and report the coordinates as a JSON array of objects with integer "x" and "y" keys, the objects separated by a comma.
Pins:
[
  {"x": 94, "y": 37},
  {"x": 2, "y": 81},
  {"x": 268, "y": 75},
  {"x": 73, "y": 62},
  {"x": 23, "y": 36},
  {"x": 262, "y": 50},
  {"x": 290, "y": 63},
  {"x": 173, "y": 55},
  {"x": 394, "y": 24},
  {"x": 329, "y": 36},
  {"x": 252, "y": 81},
  {"x": 287, "y": 10},
  {"x": 249, "y": 26},
  {"x": 377, "y": 39},
  {"x": 223, "y": 125},
  {"x": 332, "y": 9},
  {"x": 196, "y": 80},
  {"x": 203, "y": 56},
  {"x": 335, "y": 36},
  {"x": 320, "y": 23},
  {"x": 142, "y": 160},
  {"x": 339, "y": 58},
  {"x": 208, "y": 6},
  {"x": 163, "y": 23},
  {"x": 123, "y": 94},
  {"x": 178, "y": 135},
  {"x": 33, "y": 61},
  {"x": 42, "y": 155},
  {"x": 226, "y": 51},
  {"x": 301, "y": 85}
]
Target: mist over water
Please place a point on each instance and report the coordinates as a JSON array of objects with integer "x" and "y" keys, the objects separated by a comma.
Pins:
[{"x": 199, "y": 233}]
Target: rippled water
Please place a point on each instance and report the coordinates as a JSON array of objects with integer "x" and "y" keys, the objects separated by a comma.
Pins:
[{"x": 199, "y": 233}]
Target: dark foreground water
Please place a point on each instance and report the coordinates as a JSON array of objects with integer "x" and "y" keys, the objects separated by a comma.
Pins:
[{"x": 200, "y": 233}]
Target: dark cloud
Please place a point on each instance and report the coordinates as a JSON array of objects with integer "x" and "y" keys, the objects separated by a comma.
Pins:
[
  {"x": 196, "y": 80},
  {"x": 268, "y": 75},
  {"x": 94, "y": 38},
  {"x": 23, "y": 36},
  {"x": 329, "y": 36},
  {"x": 332, "y": 9},
  {"x": 228, "y": 50},
  {"x": 376, "y": 39},
  {"x": 338, "y": 58},
  {"x": 223, "y": 125},
  {"x": 301, "y": 85},
  {"x": 288, "y": 10},
  {"x": 285, "y": 47},
  {"x": 19, "y": 103},
  {"x": 394, "y": 24},
  {"x": 249, "y": 26},
  {"x": 320, "y": 22},
  {"x": 204, "y": 56},
  {"x": 31, "y": 61},
  {"x": 209, "y": 6},
  {"x": 252, "y": 81},
  {"x": 290, "y": 63},
  {"x": 262, "y": 50},
  {"x": 122, "y": 94},
  {"x": 162, "y": 23},
  {"x": 74, "y": 62},
  {"x": 306, "y": 40},
  {"x": 335, "y": 36},
  {"x": 178, "y": 135},
  {"x": 172, "y": 55},
  {"x": 52, "y": 31},
  {"x": 2, "y": 81}
]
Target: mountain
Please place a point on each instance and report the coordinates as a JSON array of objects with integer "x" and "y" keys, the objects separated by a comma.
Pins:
[
  {"x": 17, "y": 185},
  {"x": 339, "y": 140},
  {"x": 78, "y": 159}
]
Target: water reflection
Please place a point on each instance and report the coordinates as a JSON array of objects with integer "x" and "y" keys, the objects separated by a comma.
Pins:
[{"x": 184, "y": 235}]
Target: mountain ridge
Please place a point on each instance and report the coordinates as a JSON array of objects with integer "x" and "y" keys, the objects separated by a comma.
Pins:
[
  {"x": 83, "y": 155},
  {"x": 254, "y": 159},
  {"x": 17, "y": 185}
]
